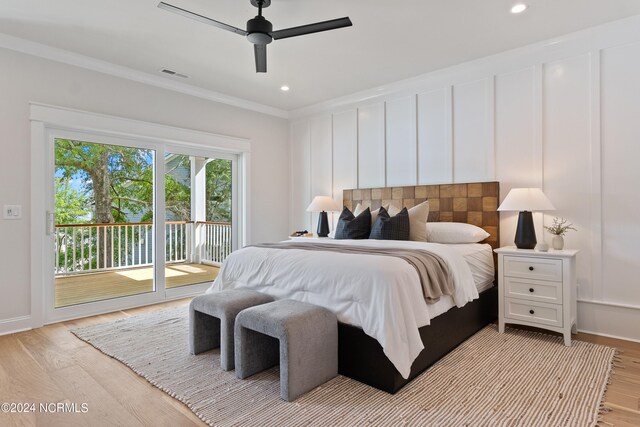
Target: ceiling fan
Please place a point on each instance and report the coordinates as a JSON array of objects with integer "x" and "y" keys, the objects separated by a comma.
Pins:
[{"x": 260, "y": 31}]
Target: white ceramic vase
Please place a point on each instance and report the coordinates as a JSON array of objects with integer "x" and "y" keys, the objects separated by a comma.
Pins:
[{"x": 558, "y": 242}]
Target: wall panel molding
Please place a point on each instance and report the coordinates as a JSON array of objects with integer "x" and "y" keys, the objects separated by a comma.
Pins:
[
  {"x": 434, "y": 114},
  {"x": 401, "y": 143},
  {"x": 300, "y": 175},
  {"x": 371, "y": 146},
  {"x": 345, "y": 153},
  {"x": 620, "y": 156},
  {"x": 473, "y": 148},
  {"x": 596, "y": 176},
  {"x": 561, "y": 115}
]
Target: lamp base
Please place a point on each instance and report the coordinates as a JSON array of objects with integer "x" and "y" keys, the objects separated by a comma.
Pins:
[
  {"x": 323, "y": 225},
  {"x": 526, "y": 232}
]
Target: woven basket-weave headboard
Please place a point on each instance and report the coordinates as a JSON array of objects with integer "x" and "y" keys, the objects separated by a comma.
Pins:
[{"x": 474, "y": 203}]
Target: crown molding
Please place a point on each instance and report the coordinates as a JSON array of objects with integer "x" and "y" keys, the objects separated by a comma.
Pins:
[
  {"x": 71, "y": 58},
  {"x": 622, "y": 31}
]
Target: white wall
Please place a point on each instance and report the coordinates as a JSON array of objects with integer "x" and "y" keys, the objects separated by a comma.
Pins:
[
  {"x": 26, "y": 78},
  {"x": 562, "y": 115}
]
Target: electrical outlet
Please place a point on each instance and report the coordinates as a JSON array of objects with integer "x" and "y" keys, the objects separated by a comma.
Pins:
[{"x": 12, "y": 212}]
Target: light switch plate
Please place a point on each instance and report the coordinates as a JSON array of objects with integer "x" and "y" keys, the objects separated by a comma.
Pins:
[{"x": 12, "y": 212}]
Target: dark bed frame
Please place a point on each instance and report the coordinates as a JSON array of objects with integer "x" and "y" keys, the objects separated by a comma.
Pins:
[{"x": 360, "y": 356}]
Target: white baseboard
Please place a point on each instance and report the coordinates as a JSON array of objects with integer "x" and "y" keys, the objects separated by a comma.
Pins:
[
  {"x": 15, "y": 324},
  {"x": 618, "y": 337},
  {"x": 609, "y": 320}
]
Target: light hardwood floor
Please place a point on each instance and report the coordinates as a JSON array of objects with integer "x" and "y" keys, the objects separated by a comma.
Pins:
[
  {"x": 51, "y": 365},
  {"x": 88, "y": 287}
]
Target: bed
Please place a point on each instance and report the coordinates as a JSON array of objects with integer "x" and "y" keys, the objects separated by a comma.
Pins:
[{"x": 379, "y": 343}]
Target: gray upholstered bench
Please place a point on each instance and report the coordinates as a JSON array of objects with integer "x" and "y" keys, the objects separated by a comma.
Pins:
[
  {"x": 307, "y": 347},
  {"x": 212, "y": 318}
]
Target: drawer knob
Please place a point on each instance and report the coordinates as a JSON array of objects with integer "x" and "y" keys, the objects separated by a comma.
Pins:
[
  {"x": 530, "y": 268},
  {"x": 531, "y": 312},
  {"x": 530, "y": 289}
]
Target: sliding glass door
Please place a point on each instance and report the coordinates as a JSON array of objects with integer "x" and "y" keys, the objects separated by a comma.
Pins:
[
  {"x": 121, "y": 236},
  {"x": 199, "y": 217},
  {"x": 103, "y": 239}
]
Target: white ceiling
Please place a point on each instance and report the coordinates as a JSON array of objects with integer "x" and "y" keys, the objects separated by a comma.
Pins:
[{"x": 390, "y": 39}]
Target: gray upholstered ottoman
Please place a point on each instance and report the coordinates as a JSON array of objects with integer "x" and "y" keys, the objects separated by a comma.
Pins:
[
  {"x": 304, "y": 336},
  {"x": 212, "y": 318}
]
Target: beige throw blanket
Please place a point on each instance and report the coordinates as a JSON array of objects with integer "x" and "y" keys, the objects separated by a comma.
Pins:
[{"x": 431, "y": 268}]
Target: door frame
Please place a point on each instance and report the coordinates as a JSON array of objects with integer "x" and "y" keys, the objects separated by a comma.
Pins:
[{"x": 49, "y": 122}]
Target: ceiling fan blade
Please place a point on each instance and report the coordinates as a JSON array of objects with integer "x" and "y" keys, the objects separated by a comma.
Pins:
[
  {"x": 312, "y": 28},
  {"x": 260, "y": 51},
  {"x": 200, "y": 18}
]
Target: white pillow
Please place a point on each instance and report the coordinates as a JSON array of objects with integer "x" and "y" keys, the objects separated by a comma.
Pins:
[
  {"x": 374, "y": 212},
  {"x": 418, "y": 216},
  {"x": 455, "y": 232}
]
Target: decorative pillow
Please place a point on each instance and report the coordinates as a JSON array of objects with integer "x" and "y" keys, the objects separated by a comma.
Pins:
[
  {"x": 418, "y": 216},
  {"x": 454, "y": 232},
  {"x": 391, "y": 228},
  {"x": 374, "y": 212},
  {"x": 353, "y": 227}
]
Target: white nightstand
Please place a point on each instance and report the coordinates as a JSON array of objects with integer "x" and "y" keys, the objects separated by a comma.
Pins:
[{"x": 537, "y": 289}]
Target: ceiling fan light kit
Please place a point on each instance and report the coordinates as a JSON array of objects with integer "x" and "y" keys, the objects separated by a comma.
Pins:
[{"x": 259, "y": 30}]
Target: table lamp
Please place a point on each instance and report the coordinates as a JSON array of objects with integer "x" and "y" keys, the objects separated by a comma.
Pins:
[
  {"x": 323, "y": 204},
  {"x": 526, "y": 200}
]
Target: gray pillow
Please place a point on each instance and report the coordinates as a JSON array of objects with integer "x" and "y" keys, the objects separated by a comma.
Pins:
[
  {"x": 353, "y": 227},
  {"x": 391, "y": 228}
]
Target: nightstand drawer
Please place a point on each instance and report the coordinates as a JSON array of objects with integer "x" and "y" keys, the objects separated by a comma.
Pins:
[
  {"x": 533, "y": 290},
  {"x": 527, "y": 311},
  {"x": 533, "y": 268}
]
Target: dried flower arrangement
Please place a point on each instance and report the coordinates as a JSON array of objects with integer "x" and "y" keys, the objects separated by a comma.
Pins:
[{"x": 559, "y": 227}]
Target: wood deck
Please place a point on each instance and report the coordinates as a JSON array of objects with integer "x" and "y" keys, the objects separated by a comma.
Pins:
[{"x": 90, "y": 287}]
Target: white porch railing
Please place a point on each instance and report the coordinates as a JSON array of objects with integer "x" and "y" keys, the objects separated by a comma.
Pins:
[
  {"x": 216, "y": 241},
  {"x": 84, "y": 248}
]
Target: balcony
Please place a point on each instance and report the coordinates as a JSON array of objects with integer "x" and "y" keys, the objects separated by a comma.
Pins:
[{"x": 94, "y": 262}]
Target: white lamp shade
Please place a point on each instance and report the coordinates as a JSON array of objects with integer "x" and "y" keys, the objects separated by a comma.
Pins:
[
  {"x": 526, "y": 199},
  {"x": 323, "y": 203}
]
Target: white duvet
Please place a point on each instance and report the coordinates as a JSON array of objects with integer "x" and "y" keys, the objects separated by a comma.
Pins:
[{"x": 380, "y": 294}]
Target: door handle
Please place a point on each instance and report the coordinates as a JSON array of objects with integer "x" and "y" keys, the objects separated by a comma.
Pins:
[{"x": 51, "y": 223}]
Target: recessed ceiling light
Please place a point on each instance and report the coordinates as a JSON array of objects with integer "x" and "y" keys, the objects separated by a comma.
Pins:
[
  {"x": 284, "y": 88},
  {"x": 519, "y": 8}
]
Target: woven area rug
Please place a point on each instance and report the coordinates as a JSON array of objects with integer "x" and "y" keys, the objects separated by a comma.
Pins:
[{"x": 518, "y": 378}]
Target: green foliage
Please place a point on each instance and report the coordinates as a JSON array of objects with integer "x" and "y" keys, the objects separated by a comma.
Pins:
[
  {"x": 113, "y": 182},
  {"x": 117, "y": 180},
  {"x": 218, "y": 173},
  {"x": 72, "y": 205}
]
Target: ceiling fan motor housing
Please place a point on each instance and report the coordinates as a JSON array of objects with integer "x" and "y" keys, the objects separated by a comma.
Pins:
[{"x": 259, "y": 30}]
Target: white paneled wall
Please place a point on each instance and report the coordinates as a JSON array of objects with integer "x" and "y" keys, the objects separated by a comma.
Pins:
[
  {"x": 517, "y": 136},
  {"x": 435, "y": 137},
  {"x": 321, "y": 160},
  {"x": 562, "y": 115},
  {"x": 345, "y": 153},
  {"x": 401, "y": 142},
  {"x": 567, "y": 147},
  {"x": 371, "y": 146},
  {"x": 620, "y": 85},
  {"x": 300, "y": 175},
  {"x": 472, "y": 131}
]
